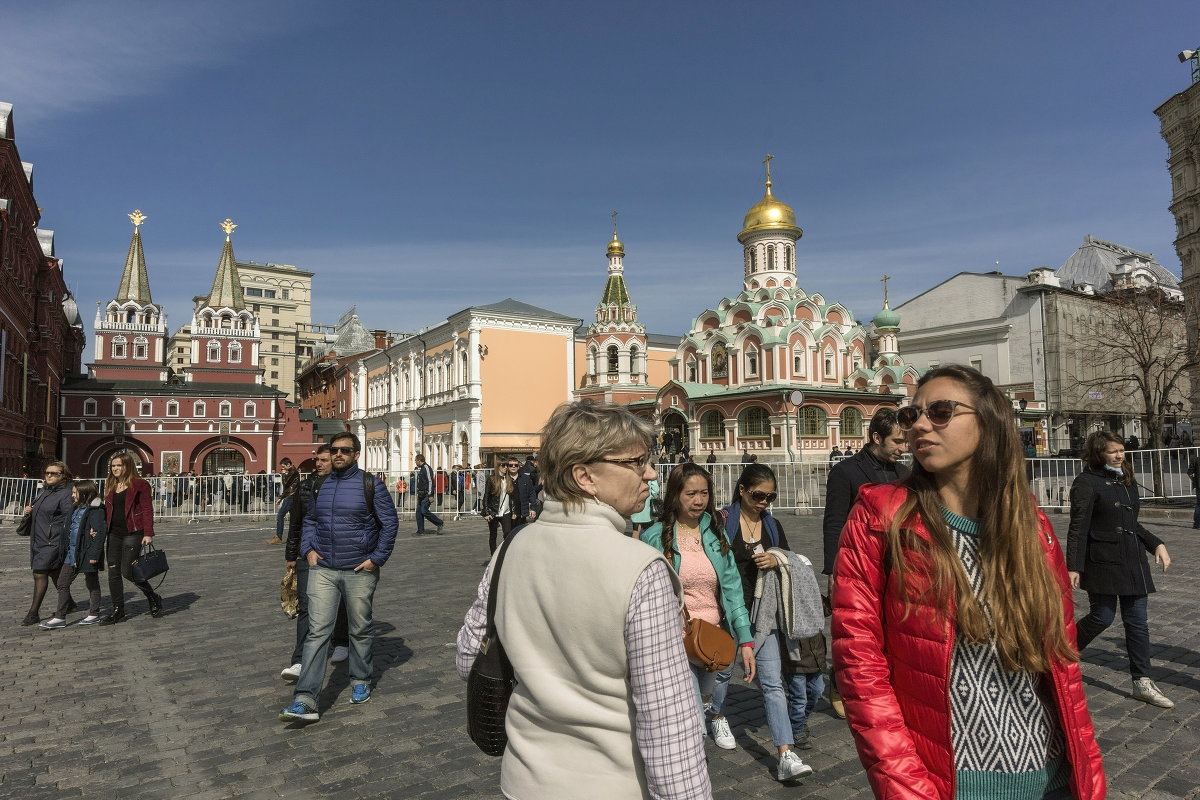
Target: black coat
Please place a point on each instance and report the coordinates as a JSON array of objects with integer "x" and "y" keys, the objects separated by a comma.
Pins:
[
  {"x": 841, "y": 490},
  {"x": 88, "y": 547},
  {"x": 1106, "y": 544},
  {"x": 51, "y": 523}
]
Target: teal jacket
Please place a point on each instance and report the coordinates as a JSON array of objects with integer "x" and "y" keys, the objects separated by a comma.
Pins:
[{"x": 736, "y": 618}]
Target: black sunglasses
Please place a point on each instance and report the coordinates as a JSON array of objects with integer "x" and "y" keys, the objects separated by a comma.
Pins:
[
  {"x": 940, "y": 412},
  {"x": 50, "y": 472},
  {"x": 345, "y": 450},
  {"x": 758, "y": 497}
]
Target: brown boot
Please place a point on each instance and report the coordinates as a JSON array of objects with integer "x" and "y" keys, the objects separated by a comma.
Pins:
[
  {"x": 274, "y": 540},
  {"x": 835, "y": 700}
]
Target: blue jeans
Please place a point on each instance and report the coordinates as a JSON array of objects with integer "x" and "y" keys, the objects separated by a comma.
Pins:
[
  {"x": 326, "y": 588},
  {"x": 803, "y": 691},
  {"x": 1133, "y": 616},
  {"x": 340, "y": 637},
  {"x": 285, "y": 507},
  {"x": 784, "y": 699},
  {"x": 704, "y": 681},
  {"x": 423, "y": 513}
]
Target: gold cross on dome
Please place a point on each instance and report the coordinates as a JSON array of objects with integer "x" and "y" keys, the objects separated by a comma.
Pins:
[
  {"x": 228, "y": 227},
  {"x": 137, "y": 217},
  {"x": 767, "y": 161},
  {"x": 614, "y": 219},
  {"x": 885, "y": 280}
]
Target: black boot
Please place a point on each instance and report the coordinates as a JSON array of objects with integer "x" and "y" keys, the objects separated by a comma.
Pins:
[
  {"x": 117, "y": 615},
  {"x": 155, "y": 602},
  {"x": 32, "y": 618}
]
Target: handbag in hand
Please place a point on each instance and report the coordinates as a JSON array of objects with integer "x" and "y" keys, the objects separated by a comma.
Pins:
[
  {"x": 25, "y": 524},
  {"x": 491, "y": 680},
  {"x": 708, "y": 646},
  {"x": 151, "y": 563},
  {"x": 289, "y": 599}
]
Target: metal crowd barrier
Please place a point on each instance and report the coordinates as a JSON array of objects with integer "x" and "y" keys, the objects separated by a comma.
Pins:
[{"x": 1161, "y": 475}]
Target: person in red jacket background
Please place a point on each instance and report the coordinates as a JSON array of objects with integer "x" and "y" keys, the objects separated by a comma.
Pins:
[
  {"x": 953, "y": 630},
  {"x": 130, "y": 515}
]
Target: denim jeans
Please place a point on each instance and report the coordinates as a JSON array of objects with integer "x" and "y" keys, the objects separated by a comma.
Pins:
[
  {"x": 803, "y": 691},
  {"x": 1133, "y": 617},
  {"x": 423, "y": 513},
  {"x": 341, "y": 638},
  {"x": 326, "y": 587},
  {"x": 784, "y": 699},
  {"x": 285, "y": 507},
  {"x": 704, "y": 681}
]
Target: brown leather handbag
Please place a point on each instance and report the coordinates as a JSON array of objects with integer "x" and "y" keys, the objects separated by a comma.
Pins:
[{"x": 708, "y": 646}]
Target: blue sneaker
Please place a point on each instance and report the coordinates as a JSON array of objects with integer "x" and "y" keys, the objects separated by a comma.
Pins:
[
  {"x": 53, "y": 622},
  {"x": 299, "y": 710},
  {"x": 360, "y": 694}
]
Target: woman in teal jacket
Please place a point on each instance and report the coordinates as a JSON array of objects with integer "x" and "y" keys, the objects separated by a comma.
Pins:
[{"x": 691, "y": 538}]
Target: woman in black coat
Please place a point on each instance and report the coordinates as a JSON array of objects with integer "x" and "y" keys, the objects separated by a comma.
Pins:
[
  {"x": 1106, "y": 556},
  {"x": 85, "y": 554},
  {"x": 51, "y": 521}
]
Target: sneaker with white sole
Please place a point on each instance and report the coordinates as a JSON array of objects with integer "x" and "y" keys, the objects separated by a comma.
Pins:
[
  {"x": 791, "y": 766},
  {"x": 361, "y": 693},
  {"x": 52, "y": 623},
  {"x": 91, "y": 619},
  {"x": 722, "y": 735},
  {"x": 291, "y": 674},
  {"x": 301, "y": 711},
  {"x": 1143, "y": 689},
  {"x": 340, "y": 654}
]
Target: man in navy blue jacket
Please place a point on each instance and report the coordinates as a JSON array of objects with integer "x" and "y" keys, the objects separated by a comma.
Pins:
[{"x": 349, "y": 532}]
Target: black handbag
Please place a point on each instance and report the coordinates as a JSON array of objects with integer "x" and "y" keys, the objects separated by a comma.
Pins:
[
  {"x": 25, "y": 524},
  {"x": 491, "y": 680},
  {"x": 151, "y": 563}
]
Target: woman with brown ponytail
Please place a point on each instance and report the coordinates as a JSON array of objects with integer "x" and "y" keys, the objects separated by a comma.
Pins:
[
  {"x": 129, "y": 508},
  {"x": 953, "y": 635}
]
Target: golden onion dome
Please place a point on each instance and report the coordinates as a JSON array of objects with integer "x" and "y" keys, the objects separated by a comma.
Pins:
[
  {"x": 615, "y": 248},
  {"x": 770, "y": 214}
]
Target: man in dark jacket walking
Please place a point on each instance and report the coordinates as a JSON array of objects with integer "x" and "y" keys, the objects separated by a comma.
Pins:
[
  {"x": 348, "y": 535},
  {"x": 291, "y": 481},
  {"x": 425, "y": 482}
]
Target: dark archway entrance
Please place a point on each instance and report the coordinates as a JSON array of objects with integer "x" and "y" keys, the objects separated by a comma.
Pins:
[
  {"x": 103, "y": 462},
  {"x": 223, "y": 459}
]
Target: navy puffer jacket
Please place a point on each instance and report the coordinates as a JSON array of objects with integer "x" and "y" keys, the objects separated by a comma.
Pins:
[{"x": 340, "y": 527}]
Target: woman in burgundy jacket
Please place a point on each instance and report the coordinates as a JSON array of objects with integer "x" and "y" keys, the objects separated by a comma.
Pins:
[
  {"x": 952, "y": 621},
  {"x": 129, "y": 511}
]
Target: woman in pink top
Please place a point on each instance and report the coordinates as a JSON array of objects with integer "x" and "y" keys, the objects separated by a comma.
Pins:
[{"x": 691, "y": 537}]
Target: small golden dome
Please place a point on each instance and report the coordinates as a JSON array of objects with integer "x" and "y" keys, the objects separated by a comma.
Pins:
[
  {"x": 615, "y": 248},
  {"x": 770, "y": 214}
]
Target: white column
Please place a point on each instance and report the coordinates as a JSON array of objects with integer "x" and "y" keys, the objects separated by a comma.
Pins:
[{"x": 474, "y": 385}]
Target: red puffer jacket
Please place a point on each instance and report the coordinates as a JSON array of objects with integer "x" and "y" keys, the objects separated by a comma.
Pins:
[{"x": 894, "y": 672}]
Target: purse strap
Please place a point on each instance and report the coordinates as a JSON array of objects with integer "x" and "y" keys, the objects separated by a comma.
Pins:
[{"x": 490, "y": 634}]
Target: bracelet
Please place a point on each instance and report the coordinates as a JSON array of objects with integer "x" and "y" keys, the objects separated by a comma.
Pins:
[{"x": 747, "y": 644}]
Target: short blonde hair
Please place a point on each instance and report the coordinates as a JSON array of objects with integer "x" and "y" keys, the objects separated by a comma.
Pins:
[{"x": 582, "y": 433}]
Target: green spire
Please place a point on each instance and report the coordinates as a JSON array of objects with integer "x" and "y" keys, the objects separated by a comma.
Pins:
[
  {"x": 227, "y": 287},
  {"x": 135, "y": 281}
]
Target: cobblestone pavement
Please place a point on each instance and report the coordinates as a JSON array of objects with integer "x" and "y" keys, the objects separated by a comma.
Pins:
[{"x": 185, "y": 706}]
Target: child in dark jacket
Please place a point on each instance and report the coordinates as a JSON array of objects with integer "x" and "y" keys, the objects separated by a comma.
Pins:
[{"x": 85, "y": 553}]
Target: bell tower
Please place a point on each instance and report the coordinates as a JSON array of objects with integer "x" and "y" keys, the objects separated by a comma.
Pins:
[
  {"x": 225, "y": 333},
  {"x": 769, "y": 235}
]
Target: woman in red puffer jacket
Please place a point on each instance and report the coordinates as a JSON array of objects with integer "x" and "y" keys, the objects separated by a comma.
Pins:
[{"x": 952, "y": 620}]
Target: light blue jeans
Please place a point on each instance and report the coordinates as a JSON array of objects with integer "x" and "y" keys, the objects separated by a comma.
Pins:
[
  {"x": 704, "y": 681},
  {"x": 326, "y": 588},
  {"x": 784, "y": 700}
]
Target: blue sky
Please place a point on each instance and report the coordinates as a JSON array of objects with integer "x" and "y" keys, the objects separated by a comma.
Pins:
[{"x": 424, "y": 157}]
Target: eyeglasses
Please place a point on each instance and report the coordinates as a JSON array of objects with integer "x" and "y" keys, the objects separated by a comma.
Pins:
[
  {"x": 343, "y": 450},
  {"x": 939, "y": 412},
  {"x": 50, "y": 473},
  {"x": 638, "y": 463},
  {"x": 513, "y": 465},
  {"x": 763, "y": 497}
]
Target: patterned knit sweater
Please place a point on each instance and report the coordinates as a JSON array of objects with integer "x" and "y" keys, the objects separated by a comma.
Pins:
[{"x": 1007, "y": 741}]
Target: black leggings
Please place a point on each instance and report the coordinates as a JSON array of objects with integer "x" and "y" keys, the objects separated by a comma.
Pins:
[
  {"x": 502, "y": 521},
  {"x": 120, "y": 553}
]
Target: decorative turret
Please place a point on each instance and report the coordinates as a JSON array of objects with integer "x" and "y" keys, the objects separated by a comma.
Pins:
[
  {"x": 135, "y": 281},
  {"x": 887, "y": 325},
  {"x": 227, "y": 287},
  {"x": 616, "y": 341},
  {"x": 225, "y": 334},
  {"x": 769, "y": 235}
]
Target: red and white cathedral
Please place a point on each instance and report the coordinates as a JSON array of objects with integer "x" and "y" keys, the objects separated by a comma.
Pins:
[{"x": 213, "y": 416}]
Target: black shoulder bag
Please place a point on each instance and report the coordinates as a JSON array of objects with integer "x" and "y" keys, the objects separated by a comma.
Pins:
[{"x": 491, "y": 680}]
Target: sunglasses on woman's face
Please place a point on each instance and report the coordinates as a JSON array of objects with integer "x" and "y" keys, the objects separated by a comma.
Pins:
[
  {"x": 939, "y": 412},
  {"x": 763, "y": 497}
]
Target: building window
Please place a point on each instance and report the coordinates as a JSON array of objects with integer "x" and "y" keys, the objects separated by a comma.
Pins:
[
  {"x": 214, "y": 352},
  {"x": 274, "y": 335},
  {"x": 255, "y": 307},
  {"x": 829, "y": 371},
  {"x": 274, "y": 310},
  {"x": 286, "y": 294},
  {"x": 852, "y": 420},
  {"x": 146, "y": 409},
  {"x": 752, "y": 362},
  {"x": 269, "y": 294},
  {"x": 118, "y": 408},
  {"x": 141, "y": 348},
  {"x": 614, "y": 359},
  {"x": 226, "y": 408},
  {"x": 172, "y": 408},
  {"x": 89, "y": 408},
  {"x": 977, "y": 363},
  {"x": 235, "y": 353},
  {"x": 274, "y": 362},
  {"x": 274, "y": 374},
  {"x": 754, "y": 421},
  {"x": 275, "y": 322},
  {"x": 691, "y": 370},
  {"x": 274, "y": 348},
  {"x": 798, "y": 362},
  {"x": 770, "y": 257},
  {"x": 249, "y": 410},
  {"x": 198, "y": 409},
  {"x": 711, "y": 425},
  {"x": 812, "y": 421},
  {"x": 251, "y": 292},
  {"x": 118, "y": 346}
]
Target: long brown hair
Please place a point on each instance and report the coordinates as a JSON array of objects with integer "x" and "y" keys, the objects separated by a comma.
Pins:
[
  {"x": 1093, "y": 453},
  {"x": 127, "y": 474},
  {"x": 1022, "y": 596},
  {"x": 675, "y": 481}
]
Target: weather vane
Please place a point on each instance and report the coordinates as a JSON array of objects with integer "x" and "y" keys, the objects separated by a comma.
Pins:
[
  {"x": 138, "y": 217},
  {"x": 228, "y": 227}
]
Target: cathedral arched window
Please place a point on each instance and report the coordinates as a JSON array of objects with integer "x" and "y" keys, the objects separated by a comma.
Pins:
[
  {"x": 754, "y": 421},
  {"x": 214, "y": 352},
  {"x": 226, "y": 408},
  {"x": 754, "y": 259},
  {"x": 131, "y": 316},
  {"x": 147, "y": 408},
  {"x": 829, "y": 363},
  {"x": 791, "y": 256},
  {"x": 141, "y": 348},
  {"x": 852, "y": 420},
  {"x": 770, "y": 257},
  {"x": 812, "y": 421},
  {"x": 798, "y": 362},
  {"x": 226, "y": 321},
  {"x": 119, "y": 344},
  {"x": 172, "y": 408},
  {"x": 614, "y": 359},
  {"x": 118, "y": 408},
  {"x": 751, "y": 362},
  {"x": 198, "y": 409},
  {"x": 712, "y": 425},
  {"x": 235, "y": 352},
  {"x": 464, "y": 368},
  {"x": 691, "y": 370},
  {"x": 634, "y": 354}
]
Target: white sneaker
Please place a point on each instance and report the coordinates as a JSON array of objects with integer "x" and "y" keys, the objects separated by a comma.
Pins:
[
  {"x": 722, "y": 736},
  {"x": 340, "y": 654},
  {"x": 291, "y": 674},
  {"x": 1145, "y": 690},
  {"x": 791, "y": 766}
]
